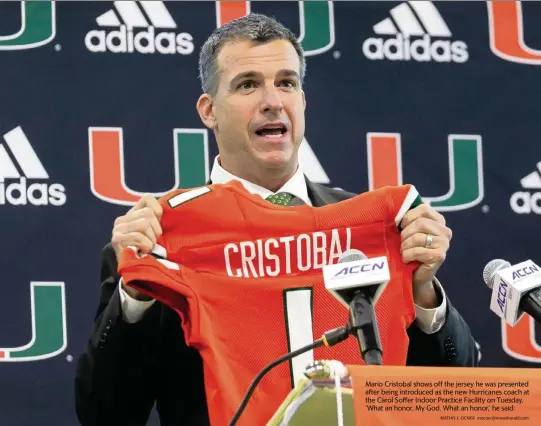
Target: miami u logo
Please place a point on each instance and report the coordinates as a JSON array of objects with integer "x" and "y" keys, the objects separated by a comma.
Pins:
[
  {"x": 48, "y": 319},
  {"x": 466, "y": 188},
  {"x": 38, "y": 26}
]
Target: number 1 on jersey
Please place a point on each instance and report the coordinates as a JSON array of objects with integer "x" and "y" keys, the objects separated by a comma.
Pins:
[
  {"x": 299, "y": 330},
  {"x": 297, "y": 307}
]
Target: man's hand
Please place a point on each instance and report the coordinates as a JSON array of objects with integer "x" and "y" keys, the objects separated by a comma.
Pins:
[
  {"x": 140, "y": 227},
  {"x": 425, "y": 239}
]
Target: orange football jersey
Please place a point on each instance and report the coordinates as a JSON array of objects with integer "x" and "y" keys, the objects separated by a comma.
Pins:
[{"x": 245, "y": 277}]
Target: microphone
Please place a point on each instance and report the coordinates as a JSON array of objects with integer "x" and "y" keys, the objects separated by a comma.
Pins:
[
  {"x": 516, "y": 289},
  {"x": 330, "y": 338},
  {"x": 357, "y": 282}
]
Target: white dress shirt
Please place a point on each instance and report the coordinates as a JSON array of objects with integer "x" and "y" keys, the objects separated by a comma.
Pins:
[{"x": 429, "y": 320}]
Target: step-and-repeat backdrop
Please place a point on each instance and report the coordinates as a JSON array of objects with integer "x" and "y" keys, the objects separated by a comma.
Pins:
[{"x": 97, "y": 106}]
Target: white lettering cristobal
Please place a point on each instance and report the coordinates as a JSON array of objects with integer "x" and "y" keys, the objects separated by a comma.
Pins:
[{"x": 285, "y": 255}]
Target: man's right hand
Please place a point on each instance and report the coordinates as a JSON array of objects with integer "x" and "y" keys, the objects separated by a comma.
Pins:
[{"x": 140, "y": 228}]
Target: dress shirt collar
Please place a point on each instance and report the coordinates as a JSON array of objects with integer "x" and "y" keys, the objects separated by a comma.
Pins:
[{"x": 296, "y": 185}]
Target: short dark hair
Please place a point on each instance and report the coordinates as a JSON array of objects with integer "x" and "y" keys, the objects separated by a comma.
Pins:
[{"x": 252, "y": 27}]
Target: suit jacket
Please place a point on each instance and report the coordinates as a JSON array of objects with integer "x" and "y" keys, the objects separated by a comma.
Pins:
[{"x": 126, "y": 368}]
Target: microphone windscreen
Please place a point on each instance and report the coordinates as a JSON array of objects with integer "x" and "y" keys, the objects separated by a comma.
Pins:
[
  {"x": 491, "y": 268},
  {"x": 352, "y": 255}
]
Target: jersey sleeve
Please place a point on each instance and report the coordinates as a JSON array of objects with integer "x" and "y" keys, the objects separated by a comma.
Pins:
[
  {"x": 403, "y": 199},
  {"x": 157, "y": 275}
]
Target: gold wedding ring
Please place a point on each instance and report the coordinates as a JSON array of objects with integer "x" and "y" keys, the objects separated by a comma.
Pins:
[{"x": 428, "y": 242}]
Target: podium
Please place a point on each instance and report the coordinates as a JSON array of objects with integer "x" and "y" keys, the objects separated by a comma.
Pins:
[{"x": 405, "y": 396}]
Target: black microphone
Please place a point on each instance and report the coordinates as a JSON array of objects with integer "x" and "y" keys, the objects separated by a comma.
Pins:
[
  {"x": 529, "y": 297},
  {"x": 330, "y": 338},
  {"x": 357, "y": 282},
  {"x": 363, "y": 323},
  {"x": 531, "y": 304}
]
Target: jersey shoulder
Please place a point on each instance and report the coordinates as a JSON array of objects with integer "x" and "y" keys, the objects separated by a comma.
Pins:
[
  {"x": 210, "y": 193},
  {"x": 204, "y": 215},
  {"x": 389, "y": 203},
  {"x": 400, "y": 200}
]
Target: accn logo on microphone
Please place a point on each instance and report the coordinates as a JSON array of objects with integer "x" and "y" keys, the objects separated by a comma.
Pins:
[
  {"x": 519, "y": 341},
  {"x": 506, "y": 27}
]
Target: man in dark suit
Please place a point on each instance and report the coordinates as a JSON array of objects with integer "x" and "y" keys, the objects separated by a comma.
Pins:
[{"x": 252, "y": 71}]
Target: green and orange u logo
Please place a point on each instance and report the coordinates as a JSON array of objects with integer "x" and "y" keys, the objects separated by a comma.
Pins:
[
  {"x": 466, "y": 186},
  {"x": 38, "y": 26},
  {"x": 48, "y": 318}
]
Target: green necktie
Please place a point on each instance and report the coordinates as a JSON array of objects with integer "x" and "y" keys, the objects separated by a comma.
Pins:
[{"x": 280, "y": 198}]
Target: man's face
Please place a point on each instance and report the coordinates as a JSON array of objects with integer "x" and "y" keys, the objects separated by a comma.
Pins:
[{"x": 259, "y": 106}]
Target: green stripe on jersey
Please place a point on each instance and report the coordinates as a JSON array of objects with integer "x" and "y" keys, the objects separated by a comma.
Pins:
[{"x": 412, "y": 200}]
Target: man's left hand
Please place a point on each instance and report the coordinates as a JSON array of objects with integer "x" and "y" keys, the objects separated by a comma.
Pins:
[{"x": 425, "y": 239}]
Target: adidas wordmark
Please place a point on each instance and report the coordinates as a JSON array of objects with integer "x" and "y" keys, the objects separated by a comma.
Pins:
[
  {"x": 14, "y": 186},
  {"x": 525, "y": 202},
  {"x": 141, "y": 28},
  {"x": 415, "y": 31}
]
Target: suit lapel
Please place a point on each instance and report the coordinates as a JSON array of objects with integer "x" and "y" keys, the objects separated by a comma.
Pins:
[{"x": 317, "y": 194}]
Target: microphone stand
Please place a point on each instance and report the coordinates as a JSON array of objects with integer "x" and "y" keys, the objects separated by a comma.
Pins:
[{"x": 363, "y": 323}]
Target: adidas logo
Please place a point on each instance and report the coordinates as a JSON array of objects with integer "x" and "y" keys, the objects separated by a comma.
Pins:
[
  {"x": 131, "y": 15},
  {"x": 409, "y": 34},
  {"x": 525, "y": 202},
  {"x": 19, "y": 192}
]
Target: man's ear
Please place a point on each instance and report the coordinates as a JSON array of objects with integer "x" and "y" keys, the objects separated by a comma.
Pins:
[{"x": 205, "y": 108}]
